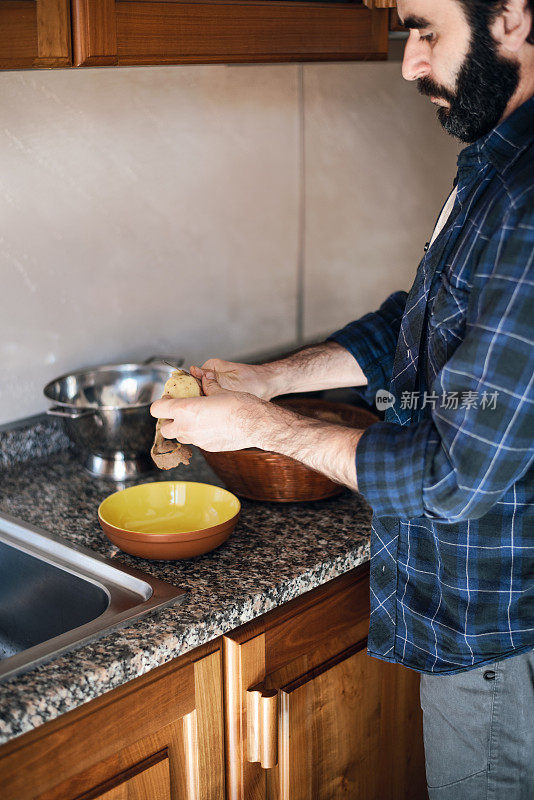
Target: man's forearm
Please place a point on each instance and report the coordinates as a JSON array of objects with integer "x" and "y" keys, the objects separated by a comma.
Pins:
[
  {"x": 323, "y": 366},
  {"x": 327, "y": 448}
]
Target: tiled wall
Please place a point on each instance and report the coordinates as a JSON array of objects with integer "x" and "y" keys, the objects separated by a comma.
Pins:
[{"x": 203, "y": 210}]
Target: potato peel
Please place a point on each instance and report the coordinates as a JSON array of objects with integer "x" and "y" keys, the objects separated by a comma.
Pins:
[{"x": 169, "y": 453}]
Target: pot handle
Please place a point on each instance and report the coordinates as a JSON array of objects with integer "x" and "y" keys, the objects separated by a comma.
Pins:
[
  {"x": 69, "y": 413},
  {"x": 171, "y": 361}
]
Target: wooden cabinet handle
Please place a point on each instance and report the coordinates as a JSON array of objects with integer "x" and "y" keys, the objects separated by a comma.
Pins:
[{"x": 262, "y": 726}]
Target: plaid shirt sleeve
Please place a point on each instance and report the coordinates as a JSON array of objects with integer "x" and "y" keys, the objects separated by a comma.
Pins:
[
  {"x": 372, "y": 340},
  {"x": 456, "y": 465}
]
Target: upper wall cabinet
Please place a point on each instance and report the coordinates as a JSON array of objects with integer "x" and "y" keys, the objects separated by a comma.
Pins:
[
  {"x": 127, "y": 32},
  {"x": 35, "y": 33},
  {"x": 59, "y": 33}
]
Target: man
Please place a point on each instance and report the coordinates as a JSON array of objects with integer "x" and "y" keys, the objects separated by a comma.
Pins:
[{"x": 450, "y": 471}]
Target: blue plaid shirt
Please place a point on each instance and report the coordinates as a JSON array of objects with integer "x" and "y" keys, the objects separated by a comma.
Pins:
[{"x": 449, "y": 473}]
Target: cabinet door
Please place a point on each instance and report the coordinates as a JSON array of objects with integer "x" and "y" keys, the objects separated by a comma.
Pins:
[
  {"x": 181, "y": 31},
  {"x": 342, "y": 733},
  {"x": 149, "y": 779},
  {"x": 310, "y": 714},
  {"x": 35, "y": 33},
  {"x": 158, "y": 738}
]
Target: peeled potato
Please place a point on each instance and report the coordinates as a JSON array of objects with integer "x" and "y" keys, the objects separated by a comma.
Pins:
[
  {"x": 182, "y": 384},
  {"x": 168, "y": 453}
]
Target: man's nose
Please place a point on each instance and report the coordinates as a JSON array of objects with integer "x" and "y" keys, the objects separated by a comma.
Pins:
[{"x": 415, "y": 62}]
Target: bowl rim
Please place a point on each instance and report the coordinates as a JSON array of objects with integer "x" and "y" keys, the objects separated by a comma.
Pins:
[{"x": 184, "y": 536}]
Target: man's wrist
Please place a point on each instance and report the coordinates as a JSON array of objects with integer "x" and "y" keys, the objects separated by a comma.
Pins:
[
  {"x": 274, "y": 379},
  {"x": 273, "y": 426}
]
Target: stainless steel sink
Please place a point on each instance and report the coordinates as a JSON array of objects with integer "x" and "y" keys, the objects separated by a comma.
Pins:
[{"x": 54, "y": 596}]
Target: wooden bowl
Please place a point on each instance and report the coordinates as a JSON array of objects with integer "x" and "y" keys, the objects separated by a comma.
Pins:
[
  {"x": 261, "y": 475},
  {"x": 169, "y": 519}
]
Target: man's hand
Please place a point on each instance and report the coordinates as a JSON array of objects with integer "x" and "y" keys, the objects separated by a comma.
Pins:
[
  {"x": 321, "y": 366},
  {"x": 225, "y": 420},
  {"x": 222, "y": 420},
  {"x": 249, "y": 378}
]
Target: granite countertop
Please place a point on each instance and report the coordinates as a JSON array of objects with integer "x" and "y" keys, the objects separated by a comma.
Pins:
[{"x": 277, "y": 552}]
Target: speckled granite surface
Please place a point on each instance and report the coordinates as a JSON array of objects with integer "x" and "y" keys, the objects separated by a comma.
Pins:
[
  {"x": 277, "y": 552},
  {"x": 41, "y": 435}
]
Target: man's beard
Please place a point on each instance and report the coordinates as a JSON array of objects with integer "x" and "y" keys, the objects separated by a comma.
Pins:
[{"x": 485, "y": 83}]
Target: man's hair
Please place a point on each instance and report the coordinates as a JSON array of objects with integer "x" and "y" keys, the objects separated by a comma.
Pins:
[{"x": 486, "y": 11}]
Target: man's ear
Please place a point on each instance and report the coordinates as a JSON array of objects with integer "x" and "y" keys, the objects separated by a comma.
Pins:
[{"x": 512, "y": 27}]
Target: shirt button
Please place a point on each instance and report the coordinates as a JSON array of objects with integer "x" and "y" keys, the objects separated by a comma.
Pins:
[
  {"x": 489, "y": 675},
  {"x": 427, "y": 245}
]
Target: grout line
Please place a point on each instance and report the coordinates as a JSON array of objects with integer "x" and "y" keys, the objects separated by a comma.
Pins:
[{"x": 301, "y": 254}]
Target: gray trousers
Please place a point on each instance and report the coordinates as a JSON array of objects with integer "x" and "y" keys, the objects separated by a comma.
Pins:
[{"x": 479, "y": 731}]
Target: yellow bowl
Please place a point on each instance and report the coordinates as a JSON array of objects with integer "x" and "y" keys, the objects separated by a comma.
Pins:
[{"x": 169, "y": 519}]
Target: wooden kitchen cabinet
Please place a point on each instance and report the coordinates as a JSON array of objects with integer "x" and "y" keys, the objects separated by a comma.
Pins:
[
  {"x": 127, "y": 32},
  {"x": 159, "y": 737},
  {"x": 35, "y": 33},
  {"x": 59, "y": 33},
  {"x": 307, "y": 715},
  {"x": 310, "y": 714}
]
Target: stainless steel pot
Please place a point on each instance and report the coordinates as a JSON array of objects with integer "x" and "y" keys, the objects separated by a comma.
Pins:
[{"x": 106, "y": 413}]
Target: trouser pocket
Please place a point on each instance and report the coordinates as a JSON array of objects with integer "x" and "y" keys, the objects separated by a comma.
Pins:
[
  {"x": 475, "y": 787},
  {"x": 457, "y": 713}
]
